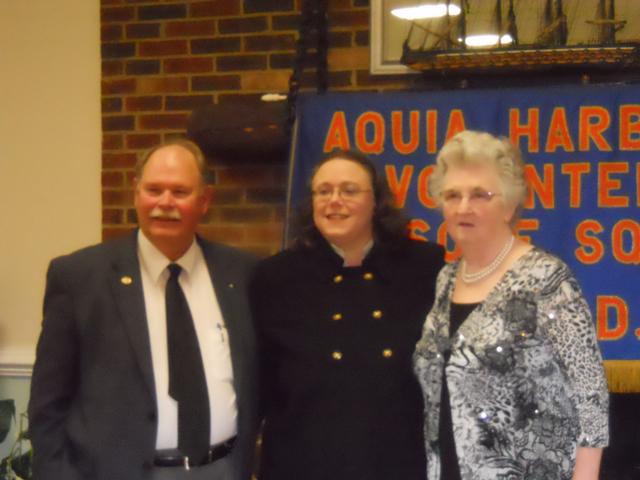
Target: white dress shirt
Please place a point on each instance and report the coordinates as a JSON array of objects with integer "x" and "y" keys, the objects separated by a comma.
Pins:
[{"x": 212, "y": 337}]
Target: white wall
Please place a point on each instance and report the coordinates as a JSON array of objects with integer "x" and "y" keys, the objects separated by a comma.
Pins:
[{"x": 50, "y": 143}]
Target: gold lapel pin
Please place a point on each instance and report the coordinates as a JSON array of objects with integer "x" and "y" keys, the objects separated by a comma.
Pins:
[
  {"x": 232, "y": 285},
  {"x": 126, "y": 280}
]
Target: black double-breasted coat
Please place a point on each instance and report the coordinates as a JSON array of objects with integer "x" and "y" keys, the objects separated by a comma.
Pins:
[{"x": 340, "y": 398}]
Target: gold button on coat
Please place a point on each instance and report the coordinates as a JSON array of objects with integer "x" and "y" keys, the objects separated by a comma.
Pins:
[
  {"x": 387, "y": 353},
  {"x": 368, "y": 276},
  {"x": 336, "y": 355},
  {"x": 336, "y": 316},
  {"x": 337, "y": 279},
  {"x": 377, "y": 314}
]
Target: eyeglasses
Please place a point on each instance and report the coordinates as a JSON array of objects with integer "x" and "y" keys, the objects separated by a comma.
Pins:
[
  {"x": 477, "y": 196},
  {"x": 346, "y": 191}
]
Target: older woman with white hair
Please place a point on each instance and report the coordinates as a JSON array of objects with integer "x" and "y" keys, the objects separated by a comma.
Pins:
[{"x": 508, "y": 361}]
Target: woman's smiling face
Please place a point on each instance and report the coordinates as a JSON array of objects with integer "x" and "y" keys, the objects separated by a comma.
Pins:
[
  {"x": 473, "y": 204},
  {"x": 343, "y": 203}
]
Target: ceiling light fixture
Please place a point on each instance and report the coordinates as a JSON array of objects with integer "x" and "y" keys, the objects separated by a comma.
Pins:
[
  {"x": 489, "y": 40},
  {"x": 425, "y": 11}
]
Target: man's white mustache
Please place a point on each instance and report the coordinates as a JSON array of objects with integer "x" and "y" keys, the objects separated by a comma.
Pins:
[{"x": 159, "y": 214}]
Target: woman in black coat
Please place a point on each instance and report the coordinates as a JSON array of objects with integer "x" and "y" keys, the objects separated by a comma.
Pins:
[{"x": 338, "y": 316}]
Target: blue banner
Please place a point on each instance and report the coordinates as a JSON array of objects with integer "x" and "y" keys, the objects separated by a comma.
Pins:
[{"x": 582, "y": 149}]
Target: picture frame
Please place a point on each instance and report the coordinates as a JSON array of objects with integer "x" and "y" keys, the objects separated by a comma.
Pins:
[{"x": 384, "y": 56}]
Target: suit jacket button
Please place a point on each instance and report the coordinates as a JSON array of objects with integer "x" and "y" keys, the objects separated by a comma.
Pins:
[
  {"x": 368, "y": 276},
  {"x": 387, "y": 353},
  {"x": 336, "y": 316},
  {"x": 337, "y": 279},
  {"x": 376, "y": 314},
  {"x": 336, "y": 355}
]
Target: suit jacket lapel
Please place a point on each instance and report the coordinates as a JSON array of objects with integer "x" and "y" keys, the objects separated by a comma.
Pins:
[
  {"x": 126, "y": 284},
  {"x": 225, "y": 283}
]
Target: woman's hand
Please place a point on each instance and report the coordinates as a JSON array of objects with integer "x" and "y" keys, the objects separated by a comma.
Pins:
[{"x": 587, "y": 463}]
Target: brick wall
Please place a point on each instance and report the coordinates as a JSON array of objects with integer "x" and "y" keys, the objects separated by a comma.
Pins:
[{"x": 162, "y": 58}]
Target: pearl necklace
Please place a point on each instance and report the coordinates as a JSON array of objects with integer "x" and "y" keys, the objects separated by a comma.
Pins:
[{"x": 489, "y": 269}]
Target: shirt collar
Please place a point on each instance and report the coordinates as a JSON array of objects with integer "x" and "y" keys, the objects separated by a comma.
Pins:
[
  {"x": 155, "y": 262},
  {"x": 367, "y": 248}
]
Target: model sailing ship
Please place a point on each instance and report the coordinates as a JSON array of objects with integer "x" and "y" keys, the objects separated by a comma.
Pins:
[{"x": 443, "y": 45}]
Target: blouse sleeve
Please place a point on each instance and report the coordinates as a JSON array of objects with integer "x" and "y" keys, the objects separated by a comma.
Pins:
[{"x": 567, "y": 322}]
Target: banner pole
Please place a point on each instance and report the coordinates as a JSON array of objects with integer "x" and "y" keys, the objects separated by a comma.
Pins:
[{"x": 289, "y": 207}]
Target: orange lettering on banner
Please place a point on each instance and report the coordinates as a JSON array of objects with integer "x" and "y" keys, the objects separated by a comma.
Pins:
[
  {"x": 593, "y": 122},
  {"x": 416, "y": 227},
  {"x": 575, "y": 172},
  {"x": 558, "y": 135},
  {"x": 397, "y": 136},
  {"x": 423, "y": 188},
  {"x": 612, "y": 327},
  {"x": 620, "y": 230},
  {"x": 629, "y": 127},
  {"x": 528, "y": 224},
  {"x": 591, "y": 249},
  {"x": 638, "y": 184},
  {"x": 456, "y": 123},
  {"x": 450, "y": 254},
  {"x": 376, "y": 145},
  {"x": 432, "y": 131},
  {"x": 529, "y": 129},
  {"x": 542, "y": 188},
  {"x": 399, "y": 188},
  {"x": 337, "y": 136},
  {"x": 606, "y": 184}
]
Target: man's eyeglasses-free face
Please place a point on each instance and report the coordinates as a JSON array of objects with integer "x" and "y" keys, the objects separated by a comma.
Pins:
[
  {"x": 346, "y": 191},
  {"x": 476, "y": 197}
]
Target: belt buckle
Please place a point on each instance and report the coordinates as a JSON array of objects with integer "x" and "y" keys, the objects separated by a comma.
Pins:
[{"x": 187, "y": 464}]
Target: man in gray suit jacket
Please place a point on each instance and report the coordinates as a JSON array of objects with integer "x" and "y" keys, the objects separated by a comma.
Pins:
[{"x": 100, "y": 407}]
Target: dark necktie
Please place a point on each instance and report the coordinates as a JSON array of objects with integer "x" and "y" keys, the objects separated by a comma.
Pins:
[{"x": 187, "y": 383}]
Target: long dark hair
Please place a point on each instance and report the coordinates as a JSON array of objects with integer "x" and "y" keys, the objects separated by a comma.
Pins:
[{"x": 390, "y": 225}]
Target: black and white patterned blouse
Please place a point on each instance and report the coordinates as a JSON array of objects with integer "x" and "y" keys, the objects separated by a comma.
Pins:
[{"x": 525, "y": 375}]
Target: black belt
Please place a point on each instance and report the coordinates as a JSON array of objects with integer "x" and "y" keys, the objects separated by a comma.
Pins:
[{"x": 174, "y": 458}]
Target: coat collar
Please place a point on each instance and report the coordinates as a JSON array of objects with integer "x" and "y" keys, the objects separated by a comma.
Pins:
[
  {"x": 126, "y": 285},
  {"x": 324, "y": 263},
  {"x": 228, "y": 284}
]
